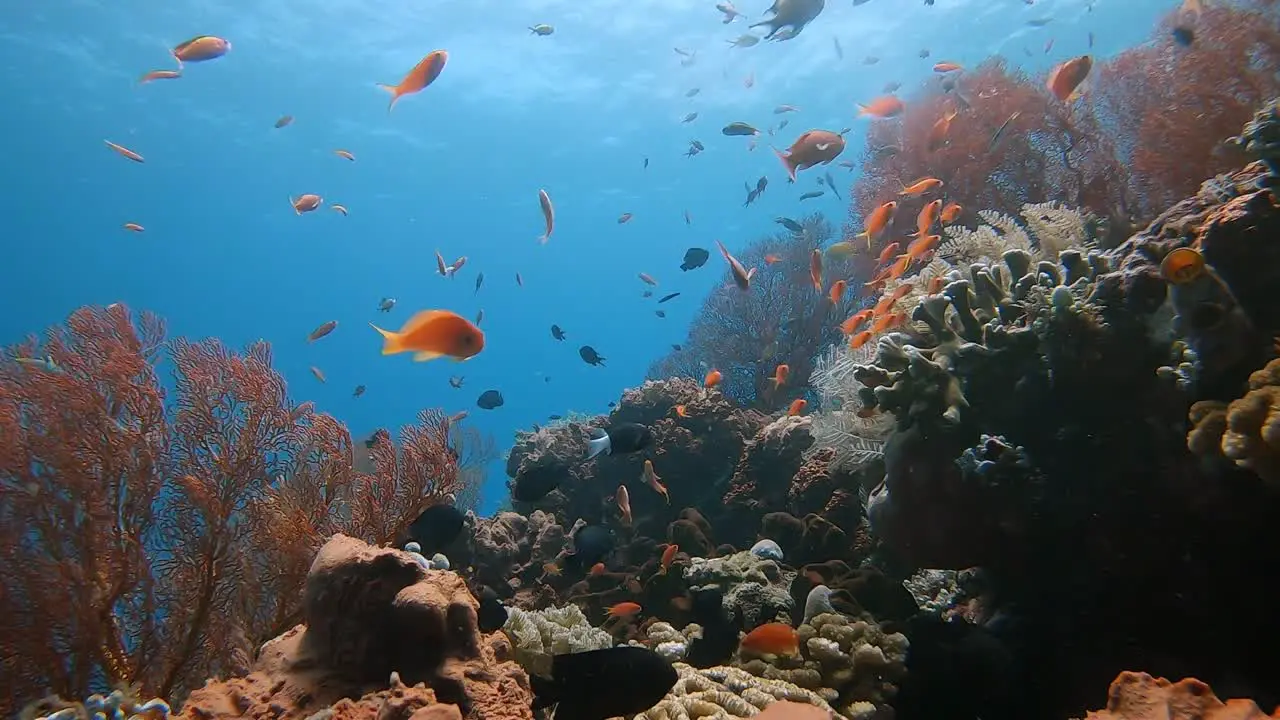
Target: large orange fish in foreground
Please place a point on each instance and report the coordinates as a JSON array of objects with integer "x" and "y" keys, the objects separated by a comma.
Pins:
[
  {"x": 434, "y": 333},
  {"x": 812, "y": 148},
  {"x": 1066, "y": 77},
  {"x": 201, "y": 48},
  {"x": 422, "y": 75}
]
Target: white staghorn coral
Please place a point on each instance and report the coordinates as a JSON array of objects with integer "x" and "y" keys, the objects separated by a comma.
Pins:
[
  {"x": 837, "y": 425},
  {"x": 1057, "y": 228}
]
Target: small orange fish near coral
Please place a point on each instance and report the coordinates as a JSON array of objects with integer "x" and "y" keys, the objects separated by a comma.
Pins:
[
  {"x": 780, "y": 375},
  {"x": 200, "y": 49},
  {"x": 950, "y": 213},
  {"x": 1182, "y": 266},
  {"x": 650, "y": 478},
  {"x": 771, "y": 259},
  {"x": 432, "y": 334},
  {"x": 305, "y": 203},
  {"x": 133, "y": 227},
  {"x": 624, "y": 609},
  {"x": 927, "y": 217},
  {"x": 159, "y": 75},
  {"x": 887, "y": 253},
  {"x": 773, "y": 639},
  {"x": 797, "y": 407},
  {"x": 939, "y": 134},
  {"x": 713, "y": 379},
  {"x": 878, "y": 221},
  {"x": 837, "y": 291},
  {"x": 1066, "y": 77},
  {"x": 125, "y": 151},
  {"x": 788, "y": 710},
  {"x": 597, "y": 570},
  {"x": 885, "y": 106},
  {"x": 422, "y": 75},
  {"x": 857, "y": 341},
  {"x": 667, "y": 556},
  {"x": 815, "y": 269},
  {"x": 855, "y": 321},
  {"x": 345, "y": 154},
  {"x": 680, "y": 411},
  {"x": 936, "y": 285},
  {"x": 316, "y": 371},
  {"x": 624, "y": 504},
  {"x": 921, "y": 186},
  {"x": 946, "y": 67}
]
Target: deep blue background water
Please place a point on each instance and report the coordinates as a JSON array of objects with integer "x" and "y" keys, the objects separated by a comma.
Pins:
[{"x": 455, "y": 168}]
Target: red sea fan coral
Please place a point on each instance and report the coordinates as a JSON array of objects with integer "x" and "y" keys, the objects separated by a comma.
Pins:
[
  {"x": 1047, "y": 151},
  {"x": 781, "y": 319},
  {"x": 158, "y": 548},
  {"x": 1171, "y": 107}
]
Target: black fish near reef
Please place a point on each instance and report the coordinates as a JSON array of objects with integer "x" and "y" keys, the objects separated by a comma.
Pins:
[
  {"x": 591, "y": 544},
  {"x": 665, "y": 298},
  {"x": 694, "y": 258},
  {"x": 377, "y": 436},
  {"x": 719, "y": 639},
  {"x": 620, "y": 439},
  {"x": 492, "y": 614},
  {"x": 1183, "y": 35},
  {"x": 436, "y": 527},
  {"x": 536, "y": 483},
  {"x": 490, "y": 399},
  {"x": 600, "y": 684},
  {"x": 590, "y": 356},
  {"x": 556, "y": 332}
]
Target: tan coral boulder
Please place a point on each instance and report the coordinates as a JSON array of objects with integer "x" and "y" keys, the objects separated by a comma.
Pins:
[{"x": 371, "y": 612}]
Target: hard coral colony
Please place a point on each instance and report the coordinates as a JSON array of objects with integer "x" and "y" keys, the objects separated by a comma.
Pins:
[{"x": 1011, "y": 431}]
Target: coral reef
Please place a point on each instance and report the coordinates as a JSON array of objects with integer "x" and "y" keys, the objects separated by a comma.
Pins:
[
  {"x": 1138, "y": 696},
  {"x": 537, "y": 635},
  {"x": 728, "y": 693},
  {"x": 755, "y": 589},
  {"x": 1245, "y": 431},
  {"x": 373, "y": 614}
]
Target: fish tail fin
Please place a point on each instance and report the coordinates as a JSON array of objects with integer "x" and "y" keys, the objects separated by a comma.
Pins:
[
  {"x": 294, "y": 205},
  {"x": 787, "y": 162},
  {"x": 395, "y": 94},
  {"x": 596, "y": 446},
  {"x": 391, "y": 343}
]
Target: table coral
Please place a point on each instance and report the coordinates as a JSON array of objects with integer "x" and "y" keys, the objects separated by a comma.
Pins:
[
  {"x": 728, "y": 693},
  {"x": 538, "y": 635},
  {"x": 1246, "y": 430}
]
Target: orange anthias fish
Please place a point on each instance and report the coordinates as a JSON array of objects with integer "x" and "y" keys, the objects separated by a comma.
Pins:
[
  {"x": 322, "y": 330},
  {"x": 878, "y": 221},
  {"x": 885, "y": 106},
  {"x": 855, "y": 321},
  {"x": 812, "y": 148},
  {"x": 936, "y": 285},
  {"x": 921, "y": 186},
  {"x": 899, "y": 268},
  {"x": 434, "y": 333},
  {"x": 422, "y": 75},
  {"x": 201, "y": 48},
  {"x": 713, "y": 379},
  {"x": 951, "y": 213},
  {"x": 125, "y": 151},
  {"x": 940, "y": 133},
  {"x": 597, "y": 570},
  {"x": 345, "y": 154},
  {"x": 741, "y": 277},
  {"x": 305, "y": 203},
  {"x": 886, "y": 322},
  {"x": 887, "y": 253},
  {"x": 815, "y": 269},
  {"x": 133, "y": 227},
  {"x": 946, "y": 67},
  {"x": 624, "y": 504},
  {"x": 780, "y": 375},
  {"x": 667, "y": 556},
  {"x": 624, "y": 609},
  {"x": 837, "y": 291},
  {"x": 771, "y": 259},
  {"x": 862, "y": 338},
  {"x": 922, "y": 246},
  {"x": 160, "y": 75},
  {"x": 647, "y": 279},
  {"x": 548, "y": 215},
  {"x": 681, "y": 411},
  {"x": 772, "y": 639},
  {"x": 1066, "y": 77},
  {"x": 927, "y": 217},
  {"x": 651, "y": 478},
  {"x": 797, "y": 407}
]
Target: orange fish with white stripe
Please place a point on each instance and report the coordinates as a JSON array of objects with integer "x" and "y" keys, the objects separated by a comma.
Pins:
[
  {"x": 815, "y": 147},
  {"x": 422, "y": 75}
]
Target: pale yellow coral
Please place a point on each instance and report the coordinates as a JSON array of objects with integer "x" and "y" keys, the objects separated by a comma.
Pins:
[
  {"x": 726, "y": 693},
  {"x": 538, "y": 635},
  {"x": 1246, "y": 431}
]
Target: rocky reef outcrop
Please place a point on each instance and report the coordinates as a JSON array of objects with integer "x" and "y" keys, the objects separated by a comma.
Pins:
[{"x": 382, "y": 637}]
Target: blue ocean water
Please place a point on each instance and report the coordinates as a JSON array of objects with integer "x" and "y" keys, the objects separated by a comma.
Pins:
[{"x": 456, "y": 168}]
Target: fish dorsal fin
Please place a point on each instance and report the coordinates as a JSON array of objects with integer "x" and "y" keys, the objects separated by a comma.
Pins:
[
  {"x": 422, "y": 318},
  {"x": 425, "y": 356}
]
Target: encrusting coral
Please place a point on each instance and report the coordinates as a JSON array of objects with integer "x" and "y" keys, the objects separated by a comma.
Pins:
[
  {"x": 755, "y": 588},
  {"x": 1246, "y": 430},
  {"x": 537, "y": 635},
  {"x": 727, "y": 693}
]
